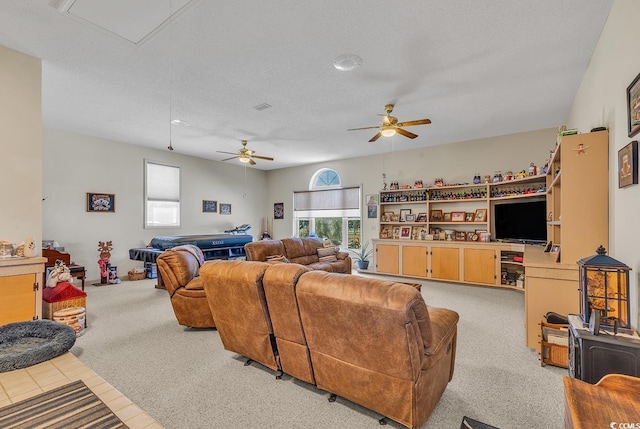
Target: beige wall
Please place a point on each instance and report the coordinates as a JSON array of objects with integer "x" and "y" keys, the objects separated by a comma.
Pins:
[
  {"x": 20, "y": 147},
  {"x": 455, "y": 163},
  {"x": 76, "y": 164},
  {"x": 601, "y": 101}
]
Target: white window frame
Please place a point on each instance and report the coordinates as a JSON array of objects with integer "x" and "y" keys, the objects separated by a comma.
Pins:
[{"x": 169, "y": 201}]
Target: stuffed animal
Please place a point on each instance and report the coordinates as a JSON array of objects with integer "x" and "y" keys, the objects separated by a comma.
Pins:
[{"x": 59, "y": 273}]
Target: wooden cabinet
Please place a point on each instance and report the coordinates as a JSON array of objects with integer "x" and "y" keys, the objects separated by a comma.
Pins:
[
  {"x": 549, "y": 286},
  {"x": 414, "y": 261},
  {"x": 480, "y": 266},
  {"x": 21, "y": 289},
  {"x": 387, "y": 258},
  {"x": 578, "y": 195},
  {"x": 445, "y": 263}
]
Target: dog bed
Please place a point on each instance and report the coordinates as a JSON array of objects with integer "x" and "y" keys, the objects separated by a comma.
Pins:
[{"x": 23, "y": 344}]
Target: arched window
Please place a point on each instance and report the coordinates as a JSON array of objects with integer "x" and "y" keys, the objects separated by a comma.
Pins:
[
  {"x": 328, "y": 210},
  {"x": 325, "y": 178}
]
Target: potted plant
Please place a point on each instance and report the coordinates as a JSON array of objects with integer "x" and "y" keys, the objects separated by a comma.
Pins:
[{"x": 362, "y": 255}]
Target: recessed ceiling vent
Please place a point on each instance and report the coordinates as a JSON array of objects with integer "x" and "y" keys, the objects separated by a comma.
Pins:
[{"x": 263, "y": 106}]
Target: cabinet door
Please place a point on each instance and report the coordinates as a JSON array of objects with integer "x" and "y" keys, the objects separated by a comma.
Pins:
[
  {"x": 388, "y": 258},
  {"x": 480, "y": 266},
  {"x": 17, "y": 298},
  {"x": 445, "y": 263},
  {"x": 414, "y": 261}
]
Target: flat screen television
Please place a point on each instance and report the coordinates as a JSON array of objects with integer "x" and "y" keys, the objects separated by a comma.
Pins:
[{"x": 521, "y": 221}]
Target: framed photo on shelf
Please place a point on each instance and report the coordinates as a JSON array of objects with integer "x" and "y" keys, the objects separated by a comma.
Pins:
[
  {"x": 410, "y": 217},
  {"x": 470, "y": 235},
  {"x": 403, "y": 214},
  {"x": 435, "y": 216},
  {"x": 385, "y": 233},
  {"x": 547, "y": 247},
  {"x": 395, "y": 218},
  {"x": 555, "y": 249},
  {"x": 628, "y": 165},
  {"x": 396, "y": 232},
  {"x": 460, "y": 236},
  {"x": 633, "y": 107},
  {"x": 480, "y": 216},
  {"x": 447, "y": 217},
  {"x": 405, "y": 232},
  {"x": 101, "y": 203},
  {"x": 209, "y": 206},
  {"x": 422, "y": 217},
  {"x": 468, "y": 216},
  {"x": 457, "y": 216}
]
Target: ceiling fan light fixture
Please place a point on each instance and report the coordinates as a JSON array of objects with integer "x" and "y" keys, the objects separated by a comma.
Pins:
[
  {"x": 245, "y": 159},
  {"x": 388, "y": 131}
]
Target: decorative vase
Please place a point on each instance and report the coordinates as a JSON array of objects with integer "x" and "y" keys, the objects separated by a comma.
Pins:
[{"x": 363, "y": 265}]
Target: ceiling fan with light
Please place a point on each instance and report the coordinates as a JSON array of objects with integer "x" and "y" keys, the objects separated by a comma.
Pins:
[
  {"x": 245, "y": 155},
  {"x": 390, "y": 125}
]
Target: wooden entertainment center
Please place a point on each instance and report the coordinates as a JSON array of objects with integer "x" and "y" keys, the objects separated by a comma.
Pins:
[{"x": 575, "y": 191}]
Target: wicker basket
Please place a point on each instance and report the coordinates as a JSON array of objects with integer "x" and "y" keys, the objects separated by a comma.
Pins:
[
  {"x": 137, "y": 275},
  {"x": 48, "y": 308}
]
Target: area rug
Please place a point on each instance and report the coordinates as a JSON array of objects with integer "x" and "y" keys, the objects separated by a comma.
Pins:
[{"x": 72, "y": 406}]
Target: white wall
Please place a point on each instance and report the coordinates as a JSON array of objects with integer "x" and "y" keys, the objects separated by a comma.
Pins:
[
  {"x": 20, "y": 147},
  {"x": 455, "y": 163},
  {"x": 76, "y": 164},
  {"x": 601, "y": 101}
]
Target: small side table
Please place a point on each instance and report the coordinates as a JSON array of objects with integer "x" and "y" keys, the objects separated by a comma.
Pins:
[{"x": 615, "y": 398}]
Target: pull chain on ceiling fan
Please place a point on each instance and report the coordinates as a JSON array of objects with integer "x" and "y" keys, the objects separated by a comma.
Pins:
[
  {"x": 390, "y": 126},
  {"x": 245, "y": 155}
]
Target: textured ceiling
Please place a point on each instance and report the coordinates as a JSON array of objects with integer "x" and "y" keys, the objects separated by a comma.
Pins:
[{"x": 476, "y": 68}]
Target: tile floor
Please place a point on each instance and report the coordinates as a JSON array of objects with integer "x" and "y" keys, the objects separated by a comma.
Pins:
[{"x": 27, "y": 382}]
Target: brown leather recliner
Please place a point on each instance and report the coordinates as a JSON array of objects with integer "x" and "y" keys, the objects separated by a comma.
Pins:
[
  {"x": 179, "y": 270},
  {"x": 377, "y": 343},
  {"x": 236, "y": 298}
]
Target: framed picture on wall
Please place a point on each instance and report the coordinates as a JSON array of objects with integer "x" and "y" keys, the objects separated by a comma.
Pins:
[
  {"x": 628, "y": 165},
  {"x": 633, "y": 107},
  {"x": 101, "y": 203},
  {"x": 225, "y": 209},
  {"x": 278, "y": 211},
  {"x": 209, "y": 206}
]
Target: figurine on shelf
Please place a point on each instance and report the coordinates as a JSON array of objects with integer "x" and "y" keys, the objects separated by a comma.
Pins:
[
  {"x": 521, "y": 175},
  {"x": 384, "y": 182},
  {"x": 487, "y": 178},
  {"x": 476, "y": 179},
  {"x": 439, "y": 182},
  {"x": 545, "y": 168},
  {"x": 533, "y": 170},
  {"x": 497, "y": 177},
  {"x": 508, "y": 175}
]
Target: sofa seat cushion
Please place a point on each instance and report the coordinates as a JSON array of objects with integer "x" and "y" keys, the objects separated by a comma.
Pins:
[
  {"x": 321, "y": 266},
  {"x": 195, "y": 284}
]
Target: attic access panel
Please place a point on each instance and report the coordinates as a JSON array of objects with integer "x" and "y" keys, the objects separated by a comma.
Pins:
[{"x": 133, "y": 20}]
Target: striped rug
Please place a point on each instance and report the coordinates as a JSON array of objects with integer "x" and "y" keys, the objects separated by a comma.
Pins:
[{"x": 72, "y": 406}]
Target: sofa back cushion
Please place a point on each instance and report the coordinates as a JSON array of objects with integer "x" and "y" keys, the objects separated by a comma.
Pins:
[
  {"x": 260, "y": 250},
  {"x": 280, "y": 282},
  {"x": 236, "y": 298},
  {"x": 378, "y": 325},
  {"x": 301, "y": 250}
]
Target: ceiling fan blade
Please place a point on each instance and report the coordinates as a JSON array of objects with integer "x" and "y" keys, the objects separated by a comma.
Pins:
[
  {"x": 252, "y": 162},
  {"x": 365, "y": 128},
  {"x": 406, "y": 133},
  {"x": 228, "y": 153},
  {"x": 233, "y": 157},
  {"x": 266, "y": 158},
  {"x": 412, "y": 123},
  {"x": 376, "y": 137}
]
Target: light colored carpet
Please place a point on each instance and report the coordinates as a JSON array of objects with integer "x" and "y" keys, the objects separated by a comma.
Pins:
[{"x": 186, "y": 380}]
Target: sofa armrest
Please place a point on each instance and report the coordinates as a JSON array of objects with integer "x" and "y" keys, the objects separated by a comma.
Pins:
[
  {"x": 443, "y": 327},
  {"x": 342, "y": 255}
]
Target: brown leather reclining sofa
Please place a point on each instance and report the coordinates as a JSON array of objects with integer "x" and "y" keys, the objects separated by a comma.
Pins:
[
  {"x": 303, "y": 251},
  {"x": 373, "y": 342}
]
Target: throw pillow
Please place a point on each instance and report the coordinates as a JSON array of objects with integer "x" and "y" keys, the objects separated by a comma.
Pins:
[
  {"x": 277, "y": 259},
  {"x": 327, "y": 254}
]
